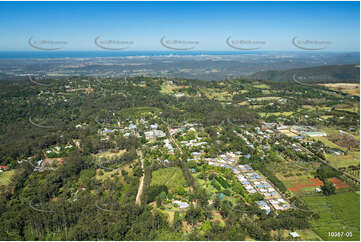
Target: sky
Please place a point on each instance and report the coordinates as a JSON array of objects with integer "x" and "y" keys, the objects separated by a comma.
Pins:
[{"x": 334, "y": 26}]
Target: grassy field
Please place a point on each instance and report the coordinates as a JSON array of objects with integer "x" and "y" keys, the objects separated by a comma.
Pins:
[
  {"x": 351, "y": 88},
  {"x": 276, "y": 114},
  {"x": 310, "y": 107},
  {"x": 109, "y": 155},
  {"x": 338, "y": 213},
  {"x": 136, "y": 111},
  {"x": 352, "y": 158},
  {"x": 218, "y": 94},
  {"x": 171, "y": 177},
  {"x": 351, "y": 108},
  {"x": 331, "y": 130},
  {"x": 267, "y": 98},
  {"x": 5, "y": 177},
  {"x": 170, "y": 89},
  {"x": 287, "y": 132},
  {"x": 262, "y": 86},
  {"x": 327, "y": 142}
]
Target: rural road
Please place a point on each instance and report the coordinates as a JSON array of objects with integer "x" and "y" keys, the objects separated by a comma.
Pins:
[{"x": 140, "y": 188}]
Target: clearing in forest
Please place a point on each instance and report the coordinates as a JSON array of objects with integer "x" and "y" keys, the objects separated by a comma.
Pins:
[{"x": 172, "y": 177}]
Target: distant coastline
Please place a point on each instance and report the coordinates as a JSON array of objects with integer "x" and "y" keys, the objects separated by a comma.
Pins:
[
  {"x": 111, "y": 54},
  {"x": 115, "y": 54}
]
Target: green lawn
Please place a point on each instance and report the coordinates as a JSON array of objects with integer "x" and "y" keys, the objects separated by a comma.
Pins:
[
  {"x": 171, "y": 177},
  {"x": 338, "y": 213}
]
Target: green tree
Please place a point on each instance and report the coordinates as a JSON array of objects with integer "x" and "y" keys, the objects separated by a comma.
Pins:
[{"x": 328, "y": 188}]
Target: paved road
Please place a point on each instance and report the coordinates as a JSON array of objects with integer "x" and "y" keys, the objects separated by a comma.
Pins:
[
  {"x": 298, "y": 82},
  {"x": 38, "y": 83},
  {"x": 39, "y": 210},
  {"x": 40, "y": 126}
]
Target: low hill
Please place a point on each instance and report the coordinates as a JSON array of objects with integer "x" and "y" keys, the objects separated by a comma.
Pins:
[{"x": 319, "y": 74}]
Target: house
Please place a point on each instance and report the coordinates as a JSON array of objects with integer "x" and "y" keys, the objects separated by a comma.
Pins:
[
  {"x": 294, "y": 235},
  {"x": 196, "y": 154},
  {"x": 159, "y": 133},
  {"x": 149, "y": 135},
  {"x": 281, "y": 127},
  {"x": 153, "y": 134},
  {"x": 264, "y": 206},
  {"x": 181, "y": 204},
  {"x": 4, "y": 168},
  {"x": 107, "y": 131},
  {"x": 179, "y": 95},
  {"x": 269, "y": 125},
  {"x": 154, "y": 126}
]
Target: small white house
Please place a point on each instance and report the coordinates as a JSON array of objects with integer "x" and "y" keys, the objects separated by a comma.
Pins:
[
  {"x": 181, "y": 204},
  {"x": 294, "y": 235}
]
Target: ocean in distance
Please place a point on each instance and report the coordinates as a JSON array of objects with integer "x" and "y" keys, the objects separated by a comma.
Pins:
[{"x": 110, "y": 54}]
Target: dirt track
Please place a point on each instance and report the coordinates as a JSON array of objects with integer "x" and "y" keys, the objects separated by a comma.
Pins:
[{"x": 140, "y": 188}]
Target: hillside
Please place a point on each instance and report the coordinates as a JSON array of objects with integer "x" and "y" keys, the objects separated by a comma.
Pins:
[{"x": 320, "y": 74}]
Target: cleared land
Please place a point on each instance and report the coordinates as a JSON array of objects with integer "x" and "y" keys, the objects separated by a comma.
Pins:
[
  {"x": 171, "y": 177},
  {"x": 5, "y": 177},
  {"x": 351, "y": 88},
  {"x": 109, "y": 155}
]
